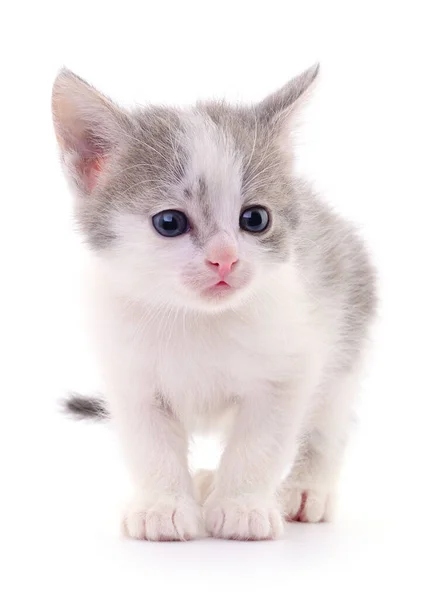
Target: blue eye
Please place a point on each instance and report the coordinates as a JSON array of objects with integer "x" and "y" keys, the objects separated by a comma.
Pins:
[
  {"x": 170, "y": 223},
  {"x": 254, "y": 220}
]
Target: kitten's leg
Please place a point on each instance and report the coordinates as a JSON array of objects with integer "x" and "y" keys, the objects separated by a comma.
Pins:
[
  {"x": 243, "y": 503},
  {"x": 308, "y": 493},
  {"x": 154, "y": 442},
  {"x": 155, "y": 447}
]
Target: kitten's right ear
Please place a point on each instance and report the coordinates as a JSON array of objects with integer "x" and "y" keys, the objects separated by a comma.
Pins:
[
  {"x": 280, "y": 108},
  {"x": 87, "y": 125}
]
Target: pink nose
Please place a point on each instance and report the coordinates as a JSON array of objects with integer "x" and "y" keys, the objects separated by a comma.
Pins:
[{"x": 224, "y": 267}]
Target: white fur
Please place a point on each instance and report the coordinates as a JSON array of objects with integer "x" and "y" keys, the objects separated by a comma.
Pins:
[{"x": 214, "y": 367}]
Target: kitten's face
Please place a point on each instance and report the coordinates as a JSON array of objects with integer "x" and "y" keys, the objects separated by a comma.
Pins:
[
  {"x": 202, "y": 226},
  {"x": 184, "y": 208}
]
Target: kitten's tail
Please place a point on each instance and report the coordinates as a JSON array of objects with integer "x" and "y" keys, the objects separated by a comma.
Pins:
[{"x": 85, "y": 407}]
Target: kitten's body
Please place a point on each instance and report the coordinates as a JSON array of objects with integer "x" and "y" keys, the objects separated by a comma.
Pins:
[{"x": 271, "y": 359}]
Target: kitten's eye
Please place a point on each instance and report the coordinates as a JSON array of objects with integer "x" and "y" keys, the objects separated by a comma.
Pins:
[
  {"x": 170, "y": 223},
  {"x": 255, "y": 219}
]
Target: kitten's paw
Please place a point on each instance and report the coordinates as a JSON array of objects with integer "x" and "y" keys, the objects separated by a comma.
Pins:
[
  {"x": 308, "y": 506},
  {"x": 165, "y": 519},
  {"x": 243, "y": 518}
]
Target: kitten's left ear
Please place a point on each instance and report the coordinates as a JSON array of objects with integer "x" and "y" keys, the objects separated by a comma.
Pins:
[
  {"x": 88, "y": 128},
  {"x": 279, "y": 108}
]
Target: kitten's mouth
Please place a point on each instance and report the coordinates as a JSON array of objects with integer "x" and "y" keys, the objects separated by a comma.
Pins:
[{"x": 218, "y": 290}]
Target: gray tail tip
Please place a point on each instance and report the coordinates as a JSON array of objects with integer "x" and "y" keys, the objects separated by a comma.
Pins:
[{"x": 85, "y": 407}]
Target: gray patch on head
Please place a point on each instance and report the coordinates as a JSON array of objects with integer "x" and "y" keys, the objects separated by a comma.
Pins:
[
  {"x": 144, "y": 168},
  {"x": 267, "y": 176},
  {"x": 200, "y": 194},
  {"x": 96, "y": 226},
  {"x": 205, "y": 200},
  {"x": 102, "y": 238}
]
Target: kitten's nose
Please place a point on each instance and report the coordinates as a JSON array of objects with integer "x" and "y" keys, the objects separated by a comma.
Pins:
[
  {"x": 223, "y": 267},
  {"x": 221, "y": 254},
  {"x": 222, "y": 260}
]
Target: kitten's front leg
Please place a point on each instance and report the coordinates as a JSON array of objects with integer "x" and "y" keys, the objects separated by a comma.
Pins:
[
  {"x": 155, "y": 447},
  {"x": 243, "y": 504},
  {"x": 309, "y": 492}
]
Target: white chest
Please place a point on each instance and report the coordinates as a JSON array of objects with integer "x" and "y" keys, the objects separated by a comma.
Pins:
[{"x": 207, "y": 364}]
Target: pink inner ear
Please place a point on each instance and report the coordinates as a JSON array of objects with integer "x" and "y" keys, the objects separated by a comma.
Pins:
[{"x": 90, "y": 169}]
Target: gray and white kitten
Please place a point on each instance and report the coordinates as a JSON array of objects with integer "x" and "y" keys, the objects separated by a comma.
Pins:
[{"x": 226, "y": 296}]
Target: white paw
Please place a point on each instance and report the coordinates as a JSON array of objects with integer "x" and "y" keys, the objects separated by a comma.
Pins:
[
  {"x": 165, "y": 519},
  {"x": 308, "y": 506},
  {"x": 243, "y": 518}
]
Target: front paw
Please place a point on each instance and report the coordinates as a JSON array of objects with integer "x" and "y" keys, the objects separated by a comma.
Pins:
[
  {"x": 166, "y": 519},
  {"x": 243, "y": 518}
]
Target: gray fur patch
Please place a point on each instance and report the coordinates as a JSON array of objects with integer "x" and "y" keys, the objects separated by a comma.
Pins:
[
  {"x": 84, "y": 407},
  {"x": 148, "y": 162}
]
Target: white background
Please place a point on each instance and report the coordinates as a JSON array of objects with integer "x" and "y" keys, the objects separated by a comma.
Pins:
[{"x": 376, "y": 145}]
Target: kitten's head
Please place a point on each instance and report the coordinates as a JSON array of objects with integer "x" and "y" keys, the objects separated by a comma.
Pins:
[{"x": 194, "y": 208}]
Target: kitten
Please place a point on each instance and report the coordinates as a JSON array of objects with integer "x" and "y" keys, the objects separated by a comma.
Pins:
[{"x": 225, "y": 296}]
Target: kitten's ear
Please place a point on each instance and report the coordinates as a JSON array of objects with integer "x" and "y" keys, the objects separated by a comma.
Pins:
[
  {"x": 279, "y": 108},
  {"x": 88, "y": 127}
]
